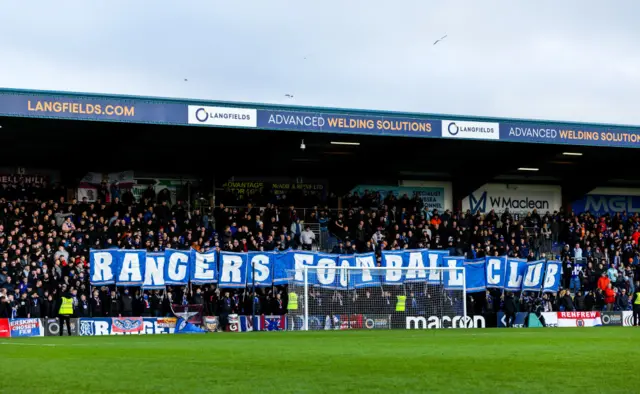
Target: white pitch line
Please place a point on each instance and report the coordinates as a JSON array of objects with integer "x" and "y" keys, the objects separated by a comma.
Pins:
[{"x": 27, "y": 344}]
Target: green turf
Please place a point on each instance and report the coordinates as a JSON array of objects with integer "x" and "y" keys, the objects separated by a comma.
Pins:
[{"x": 483, "y": 360}]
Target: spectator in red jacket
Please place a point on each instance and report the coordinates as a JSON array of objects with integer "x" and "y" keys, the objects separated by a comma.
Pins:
[
  {"x": 609, "y": 297},
  {"x": 604, "y": 281}
]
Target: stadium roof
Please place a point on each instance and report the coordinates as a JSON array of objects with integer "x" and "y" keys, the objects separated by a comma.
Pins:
[{"x": 46, "y": 129}]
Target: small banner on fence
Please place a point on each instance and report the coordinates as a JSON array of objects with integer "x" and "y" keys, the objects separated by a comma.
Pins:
[{"x": 579, "y": 319}]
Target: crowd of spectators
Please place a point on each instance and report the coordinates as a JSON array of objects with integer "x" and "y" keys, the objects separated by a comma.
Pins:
[{"x": 44, "y": 246}]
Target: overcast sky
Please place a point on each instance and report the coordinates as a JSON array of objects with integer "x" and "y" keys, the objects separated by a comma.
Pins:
[{"x": 546, "y": 59}]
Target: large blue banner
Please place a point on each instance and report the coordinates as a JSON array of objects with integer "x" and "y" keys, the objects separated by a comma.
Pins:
[
  {"x": 514, "y": 273},
  {"x": 453, "y": 279},
  {"x": 553, "y": 272},
  {"x": 603, "y": 204},
  {"x": 339, "y": 272},
  {"x": 131, "y": 267},
  {"x": 475, "y": 275},
  {"x": 64, "y": 106},
  {"x": 496, "y": 272},
  {"x": 176, "y": 266},
  {"x": 104, "y": 264},
  {"x": 233, "y": 269},
  {"x": 154, "y": 271},
  {"x": 283, "y": 268},
  {"x": 364, "y": 277},
  {"x": 204, "y": 268},
  {"x": 396, "y": 125},
  {"x": 589, "y": 135},
  {"x": 261, "y": 268},
  {"x": 533, "y": 276}
]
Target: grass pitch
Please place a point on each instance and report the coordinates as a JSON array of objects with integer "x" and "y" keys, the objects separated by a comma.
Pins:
[{"x": 482, "y": 360}]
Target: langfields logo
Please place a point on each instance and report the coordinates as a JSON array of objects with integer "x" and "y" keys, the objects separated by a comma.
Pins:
[{"x": 479, "y": 204}]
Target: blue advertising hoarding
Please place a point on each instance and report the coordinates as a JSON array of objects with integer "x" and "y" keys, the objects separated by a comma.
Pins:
[
  {"x": 58, "y": 106},
  {"x": 80, "y": 106},
  {"x": 605, "y": 204},
  {"x": 587, "y": 135},
  {"x": 369, "y": 124}
]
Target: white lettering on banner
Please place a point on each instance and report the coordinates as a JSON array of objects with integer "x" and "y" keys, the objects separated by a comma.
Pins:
[
  {"x": 550, "y": 276},
  {"x": 230, "y": 268},
  {"x": 420, "y": 322},
  {"x": 529, "y": 132},
  {"x": 456, "y": 278},
  {"x": 223, "y": 116},
  {"x": 326, "y": 271},
  {"x": 515, "y": 279},
  {"x": 260, "y": 264},
  {"x": 470, "y": 130},
  {"x": 344, "y": 273},
  {"x": 102, "y": 267},
  {"x": 297, "y": 120},
  {"x": 415, "y": 261},
  {"x": 393, "y": 261},
  {"x": 578, "y": 315},
  {"x": 204, "y": 270},
  {"x": 154, "y": 271},
  {"x": 579, "y": 319},
  {"x": 130, "y": 269},
  {"x": 434, "y": 275},
  {"x": 299, "y": 261},
  {"x": 492, "y": 266},
  {"x": 178, "y": 264},
  {"x": 101, "y": 328},
  {"x": 365, "y": 262},
  {"x": 533, "y": 275}
]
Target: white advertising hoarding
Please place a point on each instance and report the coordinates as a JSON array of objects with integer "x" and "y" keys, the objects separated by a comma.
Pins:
[{"x": 516, "y": 198}]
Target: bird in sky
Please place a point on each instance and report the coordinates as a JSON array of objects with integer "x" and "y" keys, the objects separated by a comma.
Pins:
[
  {"x": 185, "y": 79},
  {"x": 440, "y": 39},
  {"x": 288, "y": 95}
]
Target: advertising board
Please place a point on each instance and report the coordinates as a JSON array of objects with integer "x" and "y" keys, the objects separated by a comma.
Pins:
[
  {"x": 515, "y": 198},
  {"x": 105, "y": 326},
  {"x": 52, "y": 327},
  {"x": 5, "y": 330},
  {"x": 25, "y": 328}
]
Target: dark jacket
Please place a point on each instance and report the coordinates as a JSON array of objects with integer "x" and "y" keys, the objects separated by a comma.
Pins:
[
  {"x": 5, "y": 311},
  {"x": 622, "y": 302},
  {"x": 114, "y": 307},
  {"x": 24, "y": 306},
  {"x": 47, "y": 308},
  {"x": 83, "y": 309},
  {"x": 96, "y": 308},
  {"x": 127, "y": 303},
  {"x": 198, "y": 299},
  {"x": 509, "y": 305},
  {"x": 35, "y": 307},
  {"x": 580, "y": 303},
  {"x": 567, "y": 303},
  {"x": 227, "y": 305}
]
